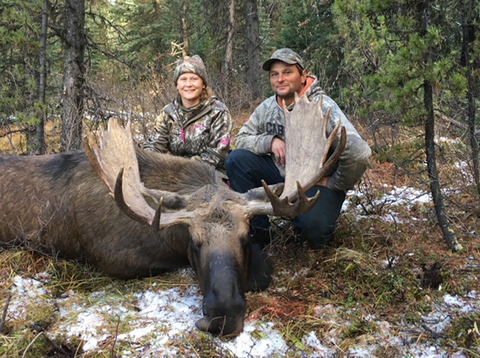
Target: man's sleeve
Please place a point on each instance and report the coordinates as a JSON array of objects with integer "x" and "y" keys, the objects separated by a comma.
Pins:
[
  {"x": 252, "y": 135},
  {"x": 354, "y": 160},
  {"x": 352, "y": 164}
]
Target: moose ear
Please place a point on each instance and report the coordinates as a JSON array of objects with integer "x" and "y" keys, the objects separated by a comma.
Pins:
[{"x": 170, "y": 200}]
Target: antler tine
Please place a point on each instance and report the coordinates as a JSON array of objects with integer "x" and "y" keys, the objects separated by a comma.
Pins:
[
  {"x": 295, "y": 100},
  {"x": 330, "y": 140},
  {"x": 155, "y": 222},
  {"x": 328, "y": 166},
  {"x": 120, "y": 200},
  {"x": 283, "y": 207},
  {"x": 90, "y": 146}
]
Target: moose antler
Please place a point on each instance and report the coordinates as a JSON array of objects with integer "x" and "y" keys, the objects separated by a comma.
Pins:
[
  {"x": 306, "y": 151},
  {"x": 112, "y": 155}
]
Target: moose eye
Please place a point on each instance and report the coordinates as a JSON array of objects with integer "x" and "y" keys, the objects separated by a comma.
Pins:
[
  {"x": 244, "y": 241},
  {"x": 197, "y": 243}
]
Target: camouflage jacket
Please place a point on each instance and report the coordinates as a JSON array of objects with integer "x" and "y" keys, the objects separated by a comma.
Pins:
[
  {"x": 201, "y": 132},
  {"x": 267, "y": 122}
]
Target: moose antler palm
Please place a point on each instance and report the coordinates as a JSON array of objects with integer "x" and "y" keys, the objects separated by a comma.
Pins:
[{"x": 112, "y": 155}]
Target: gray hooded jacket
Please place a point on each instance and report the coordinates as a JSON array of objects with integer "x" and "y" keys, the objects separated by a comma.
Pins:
[{"x": 267, "y": 122}]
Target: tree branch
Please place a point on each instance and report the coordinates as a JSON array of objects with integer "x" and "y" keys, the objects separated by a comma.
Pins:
[
  {"x": 92, "y": 44},
  {"x": 4, "y": 315}
]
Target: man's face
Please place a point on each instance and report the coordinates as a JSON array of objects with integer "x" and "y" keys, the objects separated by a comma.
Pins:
[{"x": 286, "y": 80}]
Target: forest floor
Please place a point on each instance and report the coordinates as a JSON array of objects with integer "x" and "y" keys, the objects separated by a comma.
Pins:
[{"x": 387, "y": 287}]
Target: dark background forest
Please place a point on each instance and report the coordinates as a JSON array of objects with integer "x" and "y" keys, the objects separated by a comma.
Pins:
[{"x": 67, "y": 66}]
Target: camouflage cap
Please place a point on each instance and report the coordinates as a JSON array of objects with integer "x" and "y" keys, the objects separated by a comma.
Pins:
[
  {"x": 192, "y": 64},
  {"x": 285, "y": 55}
]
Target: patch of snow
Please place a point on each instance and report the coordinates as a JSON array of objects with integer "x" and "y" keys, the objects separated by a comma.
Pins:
[
  {"x": 157, "y": 320},
  {"x": 257, "y": 340}
]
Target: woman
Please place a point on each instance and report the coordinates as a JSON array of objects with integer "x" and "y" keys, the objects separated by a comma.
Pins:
[{"x": 195, "y": 124}]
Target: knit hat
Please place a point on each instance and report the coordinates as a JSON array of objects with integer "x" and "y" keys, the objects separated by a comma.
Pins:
[
  {"x": 192, "y": 64},
  {"x": 285, "y": 55}
]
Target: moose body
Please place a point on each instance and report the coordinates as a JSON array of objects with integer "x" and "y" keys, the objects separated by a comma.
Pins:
[
  {"x": 134, "y": 214},
  {"x": 57, "y": 203}
]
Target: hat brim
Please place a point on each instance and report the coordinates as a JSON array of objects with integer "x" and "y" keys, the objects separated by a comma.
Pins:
[{"x": 268, "y": 63}]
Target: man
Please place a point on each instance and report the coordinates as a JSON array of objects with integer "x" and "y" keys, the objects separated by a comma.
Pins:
[{"x": 260, "y": 151}]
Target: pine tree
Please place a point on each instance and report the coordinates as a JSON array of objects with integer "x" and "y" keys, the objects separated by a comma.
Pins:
[
  {"x": 401, "y": 55},
  {"x": 19, "y": 38}
]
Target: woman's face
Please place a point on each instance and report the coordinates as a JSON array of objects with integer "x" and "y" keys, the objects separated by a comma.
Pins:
[{"x": 190, "y": 87}]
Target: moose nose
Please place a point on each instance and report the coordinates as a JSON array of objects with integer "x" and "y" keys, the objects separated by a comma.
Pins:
[
  {"x": 220, "y": 325},
  {"x": 223, "y": 313}
]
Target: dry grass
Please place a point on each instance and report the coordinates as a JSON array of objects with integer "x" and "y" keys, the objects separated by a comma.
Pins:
[{"x": 388, "y": 269}]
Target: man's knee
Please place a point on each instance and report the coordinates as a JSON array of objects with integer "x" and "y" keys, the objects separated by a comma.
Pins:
[
  {"x": 236, "y": 158},
  {"x": 240, "y": 166},
  {"x": 318, "y": 225},
  {"x": 317, "y": 235},
  {"x": 316, "y": 230}
]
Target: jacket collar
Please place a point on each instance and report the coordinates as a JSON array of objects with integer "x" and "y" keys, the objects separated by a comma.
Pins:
[
  {"x": 186, "y": 116},
  {"x": 310, "y": 89}
]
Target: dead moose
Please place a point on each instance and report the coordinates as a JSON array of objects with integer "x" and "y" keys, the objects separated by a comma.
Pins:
[{"x": 134, "y": 214}]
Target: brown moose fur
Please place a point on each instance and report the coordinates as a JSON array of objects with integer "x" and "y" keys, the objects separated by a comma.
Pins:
[{"x": 57, "y": 204}]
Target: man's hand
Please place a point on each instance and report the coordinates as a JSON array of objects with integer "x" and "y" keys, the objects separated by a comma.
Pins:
[{"x": 278, "y": 149}]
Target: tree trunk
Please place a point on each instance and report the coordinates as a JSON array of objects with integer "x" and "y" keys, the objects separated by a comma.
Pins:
[
  {"x": 186, "y": 44},
  {"x": 447, "y": 232},
  {"x": 30, "y": 70},
  {"x": 252, "y": 46},
  {"x": 228, "y": 61},
  {"x": 40, "y": 130},
  {"x": 73, "y": 75},
  {"x": 468, "y": 34}
]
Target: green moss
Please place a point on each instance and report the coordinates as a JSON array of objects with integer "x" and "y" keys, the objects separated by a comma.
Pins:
[
  {"x": 358, "y": 327},
  {"x": 403, "y": 154},
  {"x": 465, "y": 331}
]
